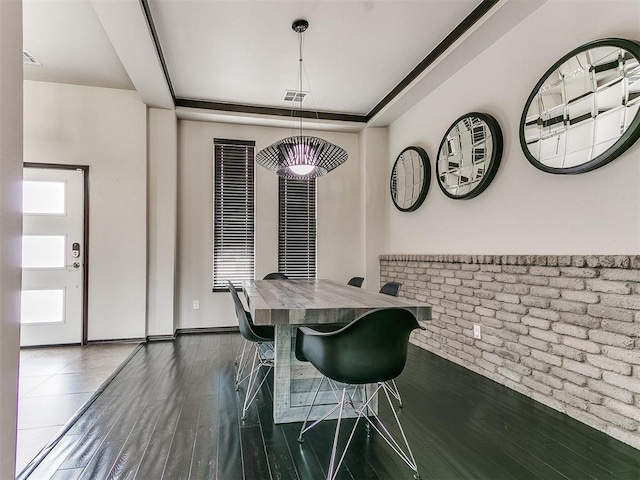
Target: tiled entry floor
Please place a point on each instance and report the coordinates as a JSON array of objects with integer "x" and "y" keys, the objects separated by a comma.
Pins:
[{"x": 54, "y": 383}]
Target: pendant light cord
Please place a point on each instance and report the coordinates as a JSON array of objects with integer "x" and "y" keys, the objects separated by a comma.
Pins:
[{"x": 300, "y": 79}]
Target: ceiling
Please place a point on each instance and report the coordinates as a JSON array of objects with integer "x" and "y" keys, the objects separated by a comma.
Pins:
[{"x": 226, "y": 60}]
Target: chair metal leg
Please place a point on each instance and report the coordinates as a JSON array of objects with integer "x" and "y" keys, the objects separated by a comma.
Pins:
[
  {"x": 258, "y": 362},
  {"x": 393, "y": 390},
  {"x": 363, "y": 410},
  {"x": 241, "y": 362}
]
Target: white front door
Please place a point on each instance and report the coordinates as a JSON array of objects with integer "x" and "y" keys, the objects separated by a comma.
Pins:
[{"x": 52, "y": 256}]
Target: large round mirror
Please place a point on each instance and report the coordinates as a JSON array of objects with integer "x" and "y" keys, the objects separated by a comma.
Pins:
[
  {"x": 469, "y": 155},
  {"x": 583, "y": 113},
  {"x": 410, "y": 179}
]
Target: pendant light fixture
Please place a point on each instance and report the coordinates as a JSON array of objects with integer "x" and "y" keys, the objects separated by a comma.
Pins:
[{"x": 301, "y": 156}]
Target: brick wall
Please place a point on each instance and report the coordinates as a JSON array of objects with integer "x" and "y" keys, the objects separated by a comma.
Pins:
[{"x": 563, "y": 330}]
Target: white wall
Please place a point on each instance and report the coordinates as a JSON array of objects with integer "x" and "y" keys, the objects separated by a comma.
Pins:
[
  {"x": 339, "y": 213},
  {"x": 524, "y": 210},
  {"x": 374, "y": 176},
  {"x": 162, "y": 220},
  {"x": 105, "y": 129},
  {"x": 10, "y": 227}
]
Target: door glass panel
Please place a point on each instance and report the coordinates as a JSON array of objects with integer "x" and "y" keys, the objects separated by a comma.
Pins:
[
  {"x": 43, "y": 251},
  {"x": 45, "y": 198},
  {"x": 42, "y": 306}
]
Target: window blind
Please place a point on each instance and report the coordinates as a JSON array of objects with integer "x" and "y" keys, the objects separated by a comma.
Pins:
[
  {"x": 297, "y": 228},
  {"x": 233, "y": 212}
]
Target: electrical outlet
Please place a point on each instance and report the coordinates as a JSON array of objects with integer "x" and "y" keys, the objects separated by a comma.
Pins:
[
  {"x": 196, "y": 305},
  {"x": 476, "y": 332}
]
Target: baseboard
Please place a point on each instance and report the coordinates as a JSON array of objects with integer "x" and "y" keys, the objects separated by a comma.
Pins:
[
  {"x": 183, "y": 331},
  {"x": 160, "y": 338},
  {"x": 117, "y": 340}
]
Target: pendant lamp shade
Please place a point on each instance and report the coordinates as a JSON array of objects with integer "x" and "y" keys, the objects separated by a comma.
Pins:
[{"x": 301, "y": 156}]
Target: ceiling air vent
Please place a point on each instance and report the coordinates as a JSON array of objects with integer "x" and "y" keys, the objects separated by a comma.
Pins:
[
  {"x": 294, "y": 96},
  {"x": 29, "y": 59}
]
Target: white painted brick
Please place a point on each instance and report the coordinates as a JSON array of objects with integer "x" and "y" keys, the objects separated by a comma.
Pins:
[
  {"x": 495, "y": 359},
  {"x": 516, "y": 328},
  {"x": 507, "y": 298},
  {"x": 619, "y": 274},
  {"x": 483, "y": 277},
  {"x": 544, "y": 271},
  {"x": 629, "y": 411},
  {"x": 536, "y": 323},
  {"x": 608, "y": 364},
  {"x": 518, "y": 269},
  {"x": 484, "y": 294},
  {"x": 485, "y": 312},
  {"x": 471, "y": 283},
  {"x": 578, "y": 272},
  {"x": 506, "y": 278},
  {"x": 568, "y": 352},
  {"x": 517, "y": 348},
  {"x": 582, "y": 320},
  {"x": 583, "y": 393},
  {"x": 567, "y": 283},
  {"x": 567, "y": 306},
  {"x": 539, "y": 387},
  {"x": 582, "y": 368},
  {"x": 569, "y": 376},
  {"x": 491, "y": 268},
  {"x": 476, "y": 352},
  {"x": 516, "y": 289},
  {"x": 630, "y": 383},
  {"x": 544, "y": 335},
  {"x": 621, "y": 301},
  {"x": 545, "y": 292},
  {"x": 464, "y": 275},
  {"x": 486, "y": 365},
  {"x": 530, "y": 280},
  {"x": 549, "y": 380},
  {"x": 571, "y": 330},
  {"x": 612, "y": 313},
  {"x": 471, "y": 317},
  {"x": 623, "y": 328},
  {"x": 510, "y": 375},
  {"x": 517, "y": 309},
  {"x": 570, "y": 400},
  {"x": 612, "y": 417},
  {"x": 547, "y": 358},
  {"x": 492, "y": 286},
  {"x": 584, "y": 297},
  {"x": 517, "y": 367},
  {"x": 470, "y": 267},
  {"x": 535, "y": 364},
  {"x": 545, "y": 314},
  {"x": 611, "y": 391},
  {"x": 508, "y": 317},
  {"x": 608, "y": 287},
  {"x": 584, "y": 345},
  {"x": 491, "y": 304},
  {"x": 629, "y": 356},
  {"x": 534, "y": 343},
  {"x": 538, "y": 302}
]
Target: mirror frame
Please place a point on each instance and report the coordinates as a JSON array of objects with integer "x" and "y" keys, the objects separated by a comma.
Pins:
[
  {"x": 426, "y": 182},
  {"x": 496, "y": 155},
  {"x": 623, "y": 143}
]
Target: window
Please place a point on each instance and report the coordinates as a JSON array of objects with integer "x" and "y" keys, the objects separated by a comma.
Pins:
[
  {"x": 233, "y": 212},
  {"x": 297, "y": 228}
]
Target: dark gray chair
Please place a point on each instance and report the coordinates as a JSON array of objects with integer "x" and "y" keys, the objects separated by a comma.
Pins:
[
  {"x": 260, "y": 340},
  {"x": 275, "y": 276},
  {"x": 391, "y": 288},
  {"x": 356, "y": 281},
  {"x": 370, "y": 350}
]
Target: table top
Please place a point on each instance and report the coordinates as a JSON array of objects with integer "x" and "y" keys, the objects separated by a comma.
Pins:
[{"x": 313, "y": 302}]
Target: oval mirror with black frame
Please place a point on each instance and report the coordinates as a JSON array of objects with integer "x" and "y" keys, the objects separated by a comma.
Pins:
[
  {"x": 469, "y": 156},
  {"x": 584, "y": 112},
  {"x": 410, "y": 179}
]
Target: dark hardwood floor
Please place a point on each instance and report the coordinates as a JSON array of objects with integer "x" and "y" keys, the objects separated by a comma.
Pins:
[{"x": 172, "y": 413}]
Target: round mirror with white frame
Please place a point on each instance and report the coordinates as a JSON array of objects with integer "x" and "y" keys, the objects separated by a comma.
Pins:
[
  {"x": 584, "y": 112},
  {"x": 469, "y": 156},
  {"x": 410, "y": 179}
]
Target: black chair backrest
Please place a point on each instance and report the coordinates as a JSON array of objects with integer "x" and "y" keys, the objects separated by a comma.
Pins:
[
  {"x": 356, "y": 281},
  {"x": 391, "y": 288},
  {"x": 243, "y": 321},
  {"x": 372, "y": 348},
  {"x": 275, "y": 276}
]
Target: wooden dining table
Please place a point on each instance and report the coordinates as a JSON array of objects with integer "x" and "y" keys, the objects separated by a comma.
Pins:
[{"x": 287, "y": 304}]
